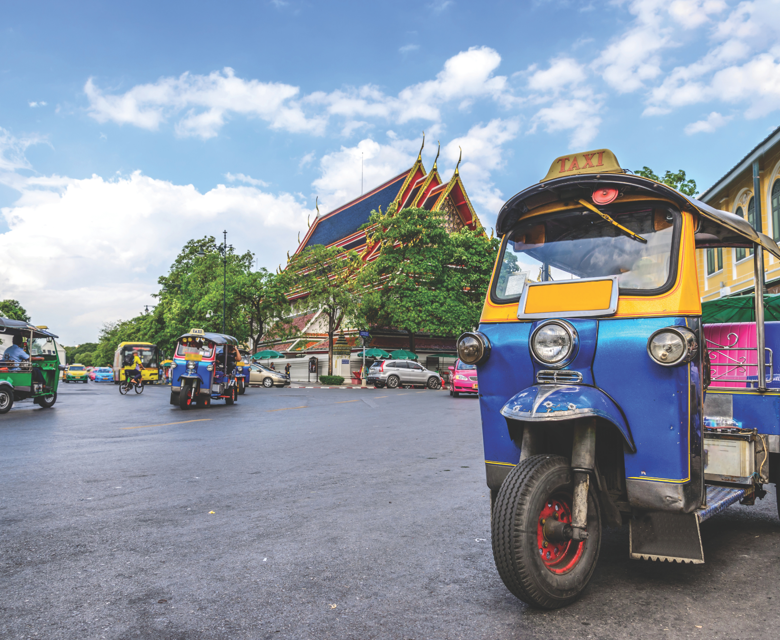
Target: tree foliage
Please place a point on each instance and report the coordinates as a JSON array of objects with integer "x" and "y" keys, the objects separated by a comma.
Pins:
[
  {"x": 191, "y": 296},
  {"x": 85, "y": 354},
  {"x": 425, "y": 279},
  {"x": 674, "y": 179},
  {"x": 328, "y": 275},
  {"x": 12, "y": 310}
]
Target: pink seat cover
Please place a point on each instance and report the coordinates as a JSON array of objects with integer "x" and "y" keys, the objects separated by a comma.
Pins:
[{"x": 740, "y": 363}]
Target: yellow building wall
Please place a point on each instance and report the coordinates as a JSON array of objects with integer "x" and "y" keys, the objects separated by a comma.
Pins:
[{"x": 738, "y": 276}]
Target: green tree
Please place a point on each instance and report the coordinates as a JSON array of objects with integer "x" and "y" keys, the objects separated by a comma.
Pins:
[
  {"x": 265, "y": 306},
  {"x": 425, "y": 279},
  {"x": 675, "y": 179},
  {"x": 12, "y": 310},
  {"x": 327, "y": 275}
]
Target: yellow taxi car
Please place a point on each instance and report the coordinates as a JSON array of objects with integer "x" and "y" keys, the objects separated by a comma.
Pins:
[{"x": 76, "y": 373}]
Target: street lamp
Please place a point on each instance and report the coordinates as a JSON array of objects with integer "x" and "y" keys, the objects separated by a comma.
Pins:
[{"x": 223, "y": 250}]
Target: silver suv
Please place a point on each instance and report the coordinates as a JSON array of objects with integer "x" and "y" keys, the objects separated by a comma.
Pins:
[{"x": 395, "y": 373}]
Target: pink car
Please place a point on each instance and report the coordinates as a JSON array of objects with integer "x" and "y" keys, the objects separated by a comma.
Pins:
[{"x": 463, "y": 378}]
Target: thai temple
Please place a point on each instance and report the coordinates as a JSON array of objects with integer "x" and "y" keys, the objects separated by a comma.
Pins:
[{"x": 414, "y": 187}]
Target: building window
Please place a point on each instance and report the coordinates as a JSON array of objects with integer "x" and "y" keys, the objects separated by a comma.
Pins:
[
  {"x": 776, "y": 210},
  {"x": 714, "y": 261},
  {"x": 740, "y": 253},
  {"x": 751, "y": 218}
]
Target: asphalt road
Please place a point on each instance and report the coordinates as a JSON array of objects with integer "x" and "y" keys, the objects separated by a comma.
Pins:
[{"x": 320, "y": 513}]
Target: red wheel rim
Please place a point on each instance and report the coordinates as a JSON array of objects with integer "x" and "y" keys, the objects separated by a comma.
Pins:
[{"x": 558, "y": 557}]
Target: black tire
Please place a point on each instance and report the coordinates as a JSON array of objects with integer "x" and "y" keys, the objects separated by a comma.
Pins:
[
  {"x": 392, "y": 382},
  {"x": 534, "y": 486},
  {"x": 434, "y": 383},
  {"x": 456, "y": 394},
  {"x": 6, "y": 399},
  {"x": 46, "y": 402},
  {"x": 451, "y": 394},
  {"x": 139, "y": 388},
  {"x": 268, "y": 383},
  {"x": 241, "y": 387},
  {"x": 233, "y": 396},
  {"x": 123, "y": 388},
  {"x": 185, "y": 397},
  {"x": 378, "y": 385}
]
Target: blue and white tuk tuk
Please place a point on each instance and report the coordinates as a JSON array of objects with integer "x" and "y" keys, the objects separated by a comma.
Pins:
[
  {"x": 604, "y": 399},
  {"x": 204, "y": 369}
]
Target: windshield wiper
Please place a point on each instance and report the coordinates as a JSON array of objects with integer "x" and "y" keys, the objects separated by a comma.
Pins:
[{"x": 606, "y": 217}]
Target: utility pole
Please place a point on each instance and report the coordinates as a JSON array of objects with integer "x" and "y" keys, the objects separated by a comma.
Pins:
[{"x": 224, "y": 278}]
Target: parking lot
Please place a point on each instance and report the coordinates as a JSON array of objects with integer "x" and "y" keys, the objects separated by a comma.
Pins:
[{"x": 312, "y": 513}]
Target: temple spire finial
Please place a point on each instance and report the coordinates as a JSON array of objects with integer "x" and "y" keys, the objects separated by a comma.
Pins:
[
  {"x": 438, "y": 151},
  {"x": 457, "y": 173},
  {"x": 317, "y": 205},
  {"x": 422, "y": 146}
]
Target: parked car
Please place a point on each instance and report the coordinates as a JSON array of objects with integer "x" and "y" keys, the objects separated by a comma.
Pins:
[
  {"x": 102, "y": 374},
  {"x": 463, "y": 378},
  {"x": 395, "y": 373},
  {"x": 76, "y": 373},
  {"x": 267, "y": 377}
]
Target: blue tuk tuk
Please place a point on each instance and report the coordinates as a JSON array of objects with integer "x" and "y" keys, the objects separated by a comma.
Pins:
[
  {"x": 204, "y": 369},
  {"x": 604, "y": 400}
]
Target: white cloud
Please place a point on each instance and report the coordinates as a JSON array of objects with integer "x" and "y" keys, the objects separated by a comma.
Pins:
[
  {"x": 708, "y": 125},
  {"x": 440, "y": 5},
  {"x": 483, "y": 153},
  {"x": 736, "y": 69},
  {"x": 562, "y": 72},
  {"x": 240, "y": 177},
  {"x": 578, "y": 114},
  {"x": 307, "y": 160},
  {"x": 691, "y": 14},
  {"x": 203, "y": 102},
  {"x": 12, "y": 151},
  {"x": 37, "y": 104},
  {"x": 339, "y": 181},
  {"x": 79, "y": 252},
  {"x": 408, "y": 48}
]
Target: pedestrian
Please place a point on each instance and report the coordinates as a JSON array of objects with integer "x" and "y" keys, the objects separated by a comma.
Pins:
[
  {"x": 273, "y": 368},
  {"x": 287, "y": 369}
]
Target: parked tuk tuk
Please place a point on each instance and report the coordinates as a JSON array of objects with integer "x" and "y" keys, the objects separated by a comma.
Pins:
[
  {"x": 35, "y": 376},
  {"x": 604, "y": 399},
  {"x": 204, "y": 369}
]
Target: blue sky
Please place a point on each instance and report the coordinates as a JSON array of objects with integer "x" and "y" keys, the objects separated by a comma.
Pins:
[{"x": 126, "y": 130}]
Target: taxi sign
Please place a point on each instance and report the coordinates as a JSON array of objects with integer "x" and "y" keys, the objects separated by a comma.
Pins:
[
  {"x": 193, "y": 356},
  {"x": 197, "y": 332},
  {"x": 598, "y": 161}
]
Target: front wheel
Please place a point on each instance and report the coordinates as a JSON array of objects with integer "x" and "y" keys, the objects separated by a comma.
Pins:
[
  {"x": 241, "y": 387},
  {"x": 233, "y": 396},
  {"x": 6, "y": 400},
  {"x": 185, "y": 397},
  {"x": 544, "y": 572},
  {"x": 139, "y": 387},
  {"x": 268, "y": 383},
  {"x": 46, "y": 402}
]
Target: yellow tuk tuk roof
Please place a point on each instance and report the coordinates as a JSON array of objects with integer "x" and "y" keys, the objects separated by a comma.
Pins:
[{"x": 577, "y": 175}]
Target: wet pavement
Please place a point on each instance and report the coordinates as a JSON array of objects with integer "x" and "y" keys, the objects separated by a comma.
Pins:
[{"x": 313, "y": 513}]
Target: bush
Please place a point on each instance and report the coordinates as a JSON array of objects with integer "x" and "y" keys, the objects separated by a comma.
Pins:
[{"x": 331, "y": 380}]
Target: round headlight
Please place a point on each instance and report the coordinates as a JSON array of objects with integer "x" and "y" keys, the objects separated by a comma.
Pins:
[
  {"x": 672, "y": 346},
  {"x": 552, "y": 343},
  {"x": 473, "y": 347}
]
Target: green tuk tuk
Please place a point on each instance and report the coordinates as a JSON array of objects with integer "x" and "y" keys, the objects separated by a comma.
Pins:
[{"x": 29, "y": 365}]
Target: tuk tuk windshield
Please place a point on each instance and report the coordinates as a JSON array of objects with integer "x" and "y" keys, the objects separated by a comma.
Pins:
[
  {"x": 42, "y": 346},
  {"x": 193, "y": 346},
  {"x": 579, "y": 244}
]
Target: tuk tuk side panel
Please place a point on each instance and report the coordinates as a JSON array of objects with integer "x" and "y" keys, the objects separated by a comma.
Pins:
[
  {"x": 507, "y": 371},
  {"x": 656, "y": 400}
]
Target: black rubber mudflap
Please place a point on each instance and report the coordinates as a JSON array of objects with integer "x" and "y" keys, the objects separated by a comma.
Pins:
[{"x": 660, "y": 535}]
